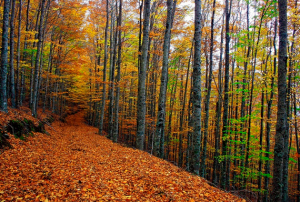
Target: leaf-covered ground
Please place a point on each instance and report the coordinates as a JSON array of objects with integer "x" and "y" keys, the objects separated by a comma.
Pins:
[{"x": 73, "y": 163}]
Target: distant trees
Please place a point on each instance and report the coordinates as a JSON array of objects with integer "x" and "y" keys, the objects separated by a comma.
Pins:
[{"x": 32, "y": 52}]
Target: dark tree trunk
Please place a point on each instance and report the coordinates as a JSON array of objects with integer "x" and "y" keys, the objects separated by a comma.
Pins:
[
  {"x": 282, "y": 134},
  {"x": 268, "y": 125},
  {"x": 22, "y": 93},
  {"x": 226, "y": 94},
  {"x": 4, "y": 54},
  {"x": 160, "y": 124},
  {"x": 203, "y": 166},
  {"x": 104, "y": 72},
  {"x": 37, "y": 61},
  {"x": 113, "y": 52},
  {"x": 116, "y": 127},
  {"x": 18, "y": 56},
  {"x": 196, "y": 93},
  {"x": 216, "y": 164},
  {"x": 141, "y": 102},
  {"x": 11, "y": 58}
]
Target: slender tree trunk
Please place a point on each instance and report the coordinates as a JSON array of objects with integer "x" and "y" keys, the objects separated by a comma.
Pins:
[
  {"x": 268, "y": 125},
  {"x": 251, "y": 91},
  {"x": 113, "y": 52},
  {"x": 104, "y": 71},
  {"x": 282, "y": 134},
  {"x": 160, "y": 124},
  {"x": 244, "y": 96},
  {"x": 216, "y": 164},
  {"x": 37, "y": 60},
  {"x": 140, "y": 33},
  {"x": 196, "y": 93},
  {"x": 32, "y": 58},
  {"x": 141, "y": 103},
  {"x": 226, "y": 94},
  {"x": 12, "y": 53},
  {"x": 22, "y": 91},
  {"x": 203, "y": 160},
  {"x": 18, "y": 56},
  {"x": 116, "y": 127},
  {"x": 4, "y": 54},
  {"x": 180, "y": 163}
]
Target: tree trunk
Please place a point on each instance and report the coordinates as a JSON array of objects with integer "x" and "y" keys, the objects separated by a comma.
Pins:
[
  {"x": 37, "y": 60},
  {"x": 116, "y": 127},
  {"x": 180, "y": 163},
  {"x": 18, "y": 56},
  {"x": 22, "y": 91},
  {"x": 216, "y": 164},
  {"x": 4, "y": 54},
  {"x": 282, "y": 134},
  {"x": 113, "y": 52},
  {"x": 104, "y": 72},
  {"x": 196, "y": 93},
  {"x": 203, "y": 166},
  {"x": 226, "y": 94},
  {"x": 161, "y": 116},
  {"x": 141, "y": 103},
  {"x": 268, "y": 125},
  {"x": 11, "y": 58}
]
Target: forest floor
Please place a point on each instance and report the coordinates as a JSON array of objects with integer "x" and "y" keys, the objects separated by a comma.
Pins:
[{"x": 73, "y": 163}]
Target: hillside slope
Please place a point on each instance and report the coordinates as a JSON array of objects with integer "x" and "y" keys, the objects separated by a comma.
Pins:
[{"x": 73, "y": 163}]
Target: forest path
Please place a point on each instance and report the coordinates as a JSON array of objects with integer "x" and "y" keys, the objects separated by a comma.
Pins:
[{"x": 76, "y": 164}]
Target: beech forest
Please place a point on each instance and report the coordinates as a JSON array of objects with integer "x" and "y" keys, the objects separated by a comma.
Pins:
[{"x": 150, "y": 100}]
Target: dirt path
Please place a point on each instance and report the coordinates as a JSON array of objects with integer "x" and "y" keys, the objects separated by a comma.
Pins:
[{"x": 76, "y": 164}]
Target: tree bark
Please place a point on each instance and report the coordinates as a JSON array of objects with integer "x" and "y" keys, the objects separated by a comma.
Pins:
[
  {"x": 22, "y": 91},
  {"x": 282, "y": 134},
  {"x": 226, "y": 94},
  {"x": 104, "y": 72},
  {"x": 18, "y": 56},
  {"x": 4, "y": 54},
  {"x": 12, "y": 53},
  {"x": 161, "y": 116},
  {"x": 37, "y": 60},
  {"x": 203, "y": 159},
  {"x": 116, "y": 127},
  {"x": 141, "y": 102},
  {"x": 196, "y": 93}
]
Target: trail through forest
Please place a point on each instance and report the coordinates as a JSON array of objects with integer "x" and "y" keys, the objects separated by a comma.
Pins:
[{"x": 74, "y": 163}]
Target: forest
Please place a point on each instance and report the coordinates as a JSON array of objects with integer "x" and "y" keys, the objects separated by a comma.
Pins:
[{"x": 209, "y": 86}]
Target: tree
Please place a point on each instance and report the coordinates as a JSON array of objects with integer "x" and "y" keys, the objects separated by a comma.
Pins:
[
  {"x": 196, "y": 93},
  {"x": 104, "y": 71},
  {"x": 160, "y": 125},
  {"x": 37, "y": 60},
  {"x": 11, "y": 58},
  {"x": 4, "y": 53},
  {"x": 282, "y": 134},
  {"x": 141, "y": 102},
  {"x": 226, "y": 94},
  {"x": 18, "y": 56},
  {"x": 203, "y": 167},
  {"x": 116, "y": 125}
]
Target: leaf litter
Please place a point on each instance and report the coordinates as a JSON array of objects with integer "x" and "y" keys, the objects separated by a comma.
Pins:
[{"x": 74, "y": 163}]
